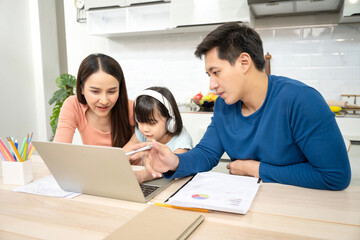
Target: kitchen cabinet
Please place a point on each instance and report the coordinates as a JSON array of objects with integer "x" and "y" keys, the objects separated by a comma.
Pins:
[
  {"x": 133, "y": 2},
  {"x": 199, "y": 12},
  {"x": 196, "y": 124},
  {"x": 162, "y": 17},
  {"x": 134, "y": 19}
]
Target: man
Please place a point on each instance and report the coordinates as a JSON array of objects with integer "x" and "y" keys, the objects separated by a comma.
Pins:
[{"x": 272, "y": 127}]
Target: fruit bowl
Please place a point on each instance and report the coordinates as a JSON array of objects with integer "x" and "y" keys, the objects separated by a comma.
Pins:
[{"x": 205, "y": 106}]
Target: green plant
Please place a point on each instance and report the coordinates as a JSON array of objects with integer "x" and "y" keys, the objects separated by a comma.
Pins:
[{"x": 66, "y": 83}]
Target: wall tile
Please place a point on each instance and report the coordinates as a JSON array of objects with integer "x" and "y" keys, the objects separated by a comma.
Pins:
[
  {"x": 322, "y": 32},
  {"x": 326, "y": 58},
  {"x": 287, "y": 33}
]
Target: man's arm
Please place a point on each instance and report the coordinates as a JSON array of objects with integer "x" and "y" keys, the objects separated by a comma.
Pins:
[
  {"x": 202, "y": 158},
  {"x": 317, "y": 134}
]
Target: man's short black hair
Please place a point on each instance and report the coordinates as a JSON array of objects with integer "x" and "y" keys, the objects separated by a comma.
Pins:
[{"x": 232, "y": 39}]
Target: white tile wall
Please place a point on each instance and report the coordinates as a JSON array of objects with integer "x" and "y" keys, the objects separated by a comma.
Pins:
[{"x": 324, "y": 57}]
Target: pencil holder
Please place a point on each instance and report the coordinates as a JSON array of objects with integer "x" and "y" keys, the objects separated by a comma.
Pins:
[{"x": 18, "y": 173}]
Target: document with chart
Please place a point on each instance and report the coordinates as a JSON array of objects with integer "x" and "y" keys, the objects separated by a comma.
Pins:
[{"x": 217, "y": 191}]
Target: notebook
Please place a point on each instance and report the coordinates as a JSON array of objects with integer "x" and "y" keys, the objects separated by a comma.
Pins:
[
  {"x": 96, "y": 170},
  {"x": 158, "y": 223},
  {"x": 217, "y": 191}
]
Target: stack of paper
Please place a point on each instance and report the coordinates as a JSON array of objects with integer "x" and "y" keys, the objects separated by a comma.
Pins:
[
  {"x": 46, "y": 186},
  {"x": 217, "y": 191}
]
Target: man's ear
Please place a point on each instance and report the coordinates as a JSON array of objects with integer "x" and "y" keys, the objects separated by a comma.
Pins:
[{"x": 244, "y": 60}]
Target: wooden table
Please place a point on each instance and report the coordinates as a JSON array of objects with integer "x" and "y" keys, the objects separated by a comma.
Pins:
[{"x": 278, "y": 212}]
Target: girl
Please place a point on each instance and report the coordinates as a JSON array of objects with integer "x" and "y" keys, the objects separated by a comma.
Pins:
[
  {"x": 101, "y": 110},
  {"x": 157, "y": 117}
]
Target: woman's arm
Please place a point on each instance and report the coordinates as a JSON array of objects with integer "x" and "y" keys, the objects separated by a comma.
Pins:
[{"x": 67, "y": 121}]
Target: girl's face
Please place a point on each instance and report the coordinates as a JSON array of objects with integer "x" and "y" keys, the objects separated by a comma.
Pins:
[
  {"x": 156, "y": 129},
  {"x": 101, "y": 91}
]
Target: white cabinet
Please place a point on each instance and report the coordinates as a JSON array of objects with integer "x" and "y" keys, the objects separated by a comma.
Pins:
[
  {"x": 158, "y": 17},
  {"x": 199, "y": 12},
  {"x": 138, "y": 18},
  {"x": 196, "y": 124},
  {"x": 133, "y": 2},
  {"x": 92, "y": 4}
]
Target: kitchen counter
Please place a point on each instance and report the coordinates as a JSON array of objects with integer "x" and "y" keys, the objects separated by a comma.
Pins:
[
  {"x": 196, "y": 123},
  {"x": 353, "y": 113}
]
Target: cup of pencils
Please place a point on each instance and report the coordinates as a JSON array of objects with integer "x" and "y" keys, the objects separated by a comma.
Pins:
[{"x": 16, "y": 164}]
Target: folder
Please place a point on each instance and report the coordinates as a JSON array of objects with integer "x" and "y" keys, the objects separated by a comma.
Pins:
[{"x": 159, "y": 223}]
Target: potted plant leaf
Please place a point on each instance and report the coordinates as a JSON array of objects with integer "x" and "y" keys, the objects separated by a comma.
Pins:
[{"x": 66, "y": 83}]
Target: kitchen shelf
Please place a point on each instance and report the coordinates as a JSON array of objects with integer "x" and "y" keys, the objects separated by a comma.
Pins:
[
  {"x": 177, "y": 16},
  {"x": 107, "y": 22}
]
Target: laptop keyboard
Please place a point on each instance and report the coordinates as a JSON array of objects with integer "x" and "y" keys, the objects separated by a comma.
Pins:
[{"x": 148, "y": 189}]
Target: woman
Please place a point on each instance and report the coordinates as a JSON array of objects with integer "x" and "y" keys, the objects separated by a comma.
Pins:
[{"x": 101, "y": 110}]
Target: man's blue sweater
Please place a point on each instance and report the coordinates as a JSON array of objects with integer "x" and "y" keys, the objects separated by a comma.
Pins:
[{"x": 293, "y": 134}]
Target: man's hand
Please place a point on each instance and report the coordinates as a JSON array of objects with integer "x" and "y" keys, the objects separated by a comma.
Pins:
[
  {"x": 158, "y": 159},
  {"x": 244, "y": 167}
]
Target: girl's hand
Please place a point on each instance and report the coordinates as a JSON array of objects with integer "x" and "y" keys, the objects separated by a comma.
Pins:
[
  {"x": 158, "y": 159},
  {"x": 143, "y": 176},
  {"x": 135, "y": 161}
]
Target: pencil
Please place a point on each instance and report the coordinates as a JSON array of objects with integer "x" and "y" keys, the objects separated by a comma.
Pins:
[
  {"x": 8, "y": 156},
  {"x": 30, "y": 137},
  {"x": 29, "y": 148},
  {"x": 15, "y": 150},
  {"x": 2, "y": 155},
  {"x": 31, "y": 151},
  {"x": 22, "y": 148},
  {"x": 26, "y": 147},
  {"x": 178, "y": 207}
]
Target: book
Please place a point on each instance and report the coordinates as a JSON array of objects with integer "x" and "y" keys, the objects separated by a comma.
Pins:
[
  {"x": 159, "y": 223},
  {"x": 217, "y": 191}
]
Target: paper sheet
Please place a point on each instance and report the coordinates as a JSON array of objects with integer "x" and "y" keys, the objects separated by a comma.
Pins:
[
  {"x": 46, "y": 186},
  {"x": 217, "y": 191}
]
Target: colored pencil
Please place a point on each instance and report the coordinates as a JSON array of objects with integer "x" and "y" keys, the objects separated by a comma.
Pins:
[
  {"x": 22, "y": 148},
  {"x": 31, "y": 151},
  {"x": 6, "y": 151},
  {"x": 26, "y": 147},
  {"x": 18, "y": 158},
  {"x": 183, "y": 208},
  {"x": 2, "y": 156},
  {"x": 29, "y": 148}
]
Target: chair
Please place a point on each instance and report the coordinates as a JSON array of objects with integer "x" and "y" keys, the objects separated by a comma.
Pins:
[{"x": 347, "y": 144}]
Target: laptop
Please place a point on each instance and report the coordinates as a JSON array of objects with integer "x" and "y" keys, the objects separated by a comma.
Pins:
[{"x": 96, "y": 170}]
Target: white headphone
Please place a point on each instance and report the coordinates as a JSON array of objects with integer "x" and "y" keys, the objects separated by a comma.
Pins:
[{"x": 171, "y": 123}]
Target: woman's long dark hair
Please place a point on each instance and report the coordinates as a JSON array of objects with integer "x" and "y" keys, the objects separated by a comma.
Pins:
[{"x": 121, "y": 130}]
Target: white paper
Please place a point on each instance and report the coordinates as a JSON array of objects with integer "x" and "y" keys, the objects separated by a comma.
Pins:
[
  {"x": 46, "y": 186},
  {"x": 217, "y": 191}
]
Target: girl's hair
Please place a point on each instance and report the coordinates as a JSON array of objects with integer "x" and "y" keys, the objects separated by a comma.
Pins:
[
  {"x": 121, "y": 130},
  {"x": 145, "y": 105}
]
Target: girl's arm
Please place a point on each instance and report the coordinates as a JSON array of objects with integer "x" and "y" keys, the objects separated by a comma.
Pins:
[
  {"x": 128, "y": 147},
  {"x": 180, "y": 150}
]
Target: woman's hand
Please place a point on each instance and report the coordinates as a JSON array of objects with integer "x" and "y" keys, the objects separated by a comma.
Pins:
[{"x": 244, "y": 167}]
